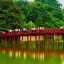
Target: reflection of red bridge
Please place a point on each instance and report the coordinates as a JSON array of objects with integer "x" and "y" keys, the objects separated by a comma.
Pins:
[{"x": 48, "y": 35}]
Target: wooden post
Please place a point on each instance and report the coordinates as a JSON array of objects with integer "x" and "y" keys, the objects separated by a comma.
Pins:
[
  {"x": 21, "y": 41},
  {"x": 44, "y": 42},
  {"x": 57, "y": 41},
  {"x": 5, "y": 42},
  {"x": 46, "y": 38},
  {"x": 38, "y": 41},
  {"x": 53, "y": 41},
  {"x": 30, "y": 41},
  {"x": 13, "y": 42},
  {"x": 63, "y": 41}
]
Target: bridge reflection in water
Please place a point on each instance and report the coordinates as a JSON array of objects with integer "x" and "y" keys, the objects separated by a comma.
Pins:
[{"x": 47, "y": 41}]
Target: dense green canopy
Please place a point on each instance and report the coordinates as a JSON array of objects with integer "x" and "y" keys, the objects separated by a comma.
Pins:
[
  {"x": 10, "y": 16},
  {"x": 43, "y": 13}
]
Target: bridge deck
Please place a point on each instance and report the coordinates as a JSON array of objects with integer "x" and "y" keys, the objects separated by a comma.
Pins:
[{"x": 32, "y": 32}]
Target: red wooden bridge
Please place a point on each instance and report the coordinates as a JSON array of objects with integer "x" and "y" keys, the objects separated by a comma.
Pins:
[
  {"x": 32, "y": 33},
  {"x": 47, "y": 34}
]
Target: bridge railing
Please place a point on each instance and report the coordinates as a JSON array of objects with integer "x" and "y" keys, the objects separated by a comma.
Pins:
[{"x": 31, "y": 32}]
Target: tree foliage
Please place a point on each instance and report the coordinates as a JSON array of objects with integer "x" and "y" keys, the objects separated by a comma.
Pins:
[
  {"x": 29, "y": 25},
  {"x": 10, "y": 16},
  {"x": 40, "y": 13}
]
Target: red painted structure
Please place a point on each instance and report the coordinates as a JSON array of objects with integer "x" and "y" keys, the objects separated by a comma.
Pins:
[
  {"x": 46, "y": 32},
  {"x": 32, "y": 32}
]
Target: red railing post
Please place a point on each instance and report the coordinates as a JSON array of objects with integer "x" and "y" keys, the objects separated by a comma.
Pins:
[
  {"x": 38, "y": 41},
  {"x": 21, "y": 41},
  {"x": 52, "y": 41},
  {"x": 5, "y": 39},
  {"x": 63, "y": 41},
  {"x": 57, "y": 41},
  {"x": 13, "y": 42},
  {"x": 46, "y": 39},
  {"x": 30, "y": 41}
]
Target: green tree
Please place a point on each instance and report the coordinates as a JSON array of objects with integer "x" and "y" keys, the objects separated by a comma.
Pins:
[
  {"x": 10, "y": 17},
  {"x": 42, "y": 14},
  {"x": 23, "y": 14},
  {"x": 53, "y": 3},
  {"x": 29, "y": 25}
]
